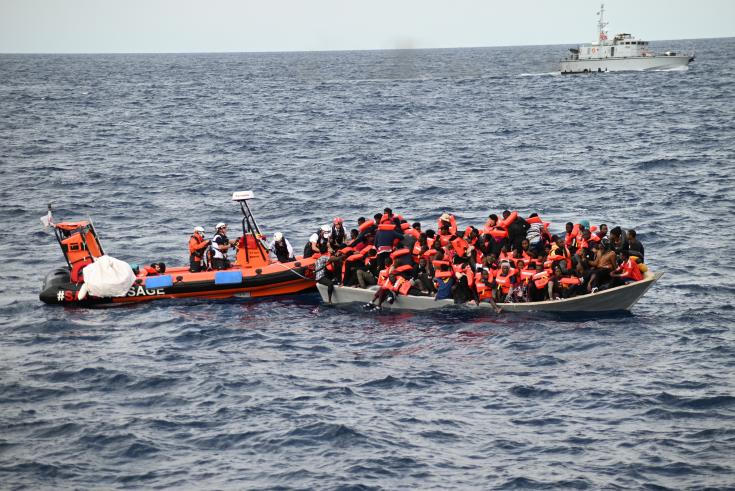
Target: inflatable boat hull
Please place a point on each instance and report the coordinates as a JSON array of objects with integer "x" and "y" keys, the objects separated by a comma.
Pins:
[{"x": 274, "y": 279}]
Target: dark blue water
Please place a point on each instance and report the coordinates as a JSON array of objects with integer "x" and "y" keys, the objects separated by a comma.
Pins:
[{"x": 287, "y": 393}]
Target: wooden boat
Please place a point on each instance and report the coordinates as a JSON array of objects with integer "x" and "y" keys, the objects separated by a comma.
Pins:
[{"x": 621, "y": 298}]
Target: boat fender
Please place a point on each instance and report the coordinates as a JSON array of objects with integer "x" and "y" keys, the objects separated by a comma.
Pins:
[{"x": 82, "y": 293}]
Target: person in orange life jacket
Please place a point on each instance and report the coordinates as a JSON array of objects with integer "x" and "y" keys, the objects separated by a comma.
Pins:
[
  {"x": 368, "y": 274},
  {"x": 384, "y": 243},
  {"x": 602, "y": 265},
  {"x": 561, "y": 250},
  {"x": 516, "y": 230},
  {"x": 635, "y": 248},
  {"x": 444, "y": 281},
  {"x": 385, "y": 292},
  {"x": 280, "y": 249},
  {"x": 537, "y": 291},
  {"x": 505, "y": 281},
  {"x": 152, "y": 270},
  {"x": 220, "y": 246},
  {"x": 554, "y": 287},
  {"x": 368, "y": 231},
  {"x": 494, "y": 243},
  {"x": 484, "y": 287},
  {"x": 627, "y": 272},
  {"x": 338, "y": 236},
  {"x": 570, "y": 236},
  {"x": 197, "y": 247},
  {"x": 318, "y": 242}
]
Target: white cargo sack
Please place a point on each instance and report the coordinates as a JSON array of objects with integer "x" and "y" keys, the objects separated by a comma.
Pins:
[{"x": 108, "y": 277}]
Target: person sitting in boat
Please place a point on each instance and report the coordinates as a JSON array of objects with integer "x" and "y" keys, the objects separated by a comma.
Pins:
[
  {"x": 280, "y": 249},
  {"x": 318, "y": 242},
  {"x": 627, "y": 272},
  {"x": 153, "y": 270},
  {"x": 367, "y": 274},
  {"x": 444, "y": 282},
  {"x": 505, "y": 279},
  {"x": 635, "y": 248},
  {"x": 220, "y": 246},
  {"x": 197, "y": 247},
  {"x": 601, "y": 234},
  {"x": 601, "y": 266}
]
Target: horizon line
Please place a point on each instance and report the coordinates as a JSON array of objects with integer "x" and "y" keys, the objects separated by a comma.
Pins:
[{"x": 314, "y": 50}]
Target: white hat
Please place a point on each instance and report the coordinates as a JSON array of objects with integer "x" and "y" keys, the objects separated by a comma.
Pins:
[
  {"x": 199, "y": 229},
  {"x": 220, "y": 225},
  {"x": 277, "y": 236},
  {"x": 326, "y": 228},
  {"x": 445, "y": 217}
]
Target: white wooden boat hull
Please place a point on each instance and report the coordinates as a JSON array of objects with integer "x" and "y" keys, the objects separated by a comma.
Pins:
[{"x": 620, "y": 298}]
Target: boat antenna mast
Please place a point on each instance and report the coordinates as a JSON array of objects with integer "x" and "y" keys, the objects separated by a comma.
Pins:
[{"x": 601, "y": 24}]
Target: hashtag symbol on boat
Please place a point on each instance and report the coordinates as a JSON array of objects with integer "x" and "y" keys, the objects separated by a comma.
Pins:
[{"x": 60, "y": 296}]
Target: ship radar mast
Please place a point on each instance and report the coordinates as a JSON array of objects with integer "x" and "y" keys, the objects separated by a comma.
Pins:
[{"x": 601, "y": 24}]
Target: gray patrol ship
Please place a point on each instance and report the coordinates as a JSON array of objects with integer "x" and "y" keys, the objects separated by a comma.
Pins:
[{"x": 623, "y": 53}]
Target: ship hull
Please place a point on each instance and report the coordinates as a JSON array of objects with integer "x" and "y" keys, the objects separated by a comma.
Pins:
[{"x": 638, "y": 63}]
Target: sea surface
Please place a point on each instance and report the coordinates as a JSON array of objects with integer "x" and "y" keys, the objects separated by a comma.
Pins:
[{"x": 287, "y": 393}]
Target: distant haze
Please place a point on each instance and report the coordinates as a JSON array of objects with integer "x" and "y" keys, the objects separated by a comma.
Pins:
[{"x": 102, "y": 26}]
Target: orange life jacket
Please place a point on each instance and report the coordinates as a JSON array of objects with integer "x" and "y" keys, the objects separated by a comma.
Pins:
[
  {"x": 402, "y": 285},
  {"x": 507, "y": 221},
  {"x": 503, "y": 281},
  {"x": 452, "y": 225},
  {"x": 196, "y": 246},
  {"x": 400, "y": 252},
  {"x": 366, "y": 225},
  {"x": 570, "y": 281},
  {"x": 631, "y": 270},
  {"x": 444, "y": 274},
  {"x": 483, "y": 289},
  {"x": 460, "y": 245},
  {"x": 541, "y": 279}
]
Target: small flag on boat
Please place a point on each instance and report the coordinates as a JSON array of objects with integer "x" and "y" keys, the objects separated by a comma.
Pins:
[{"x": 47, "y": 220}]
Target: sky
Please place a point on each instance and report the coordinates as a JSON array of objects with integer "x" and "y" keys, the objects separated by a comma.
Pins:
[{"x": 164, "y": 26}]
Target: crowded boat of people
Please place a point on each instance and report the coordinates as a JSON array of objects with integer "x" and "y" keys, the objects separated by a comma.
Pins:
[{"x": 510, "y": 259}]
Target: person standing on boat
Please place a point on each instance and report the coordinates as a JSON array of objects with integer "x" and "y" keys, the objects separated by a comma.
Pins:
[
  {"x": 280, "y": 249},
  {"x": 197, "y": 246},
  {"x": 220, "y": 245}
]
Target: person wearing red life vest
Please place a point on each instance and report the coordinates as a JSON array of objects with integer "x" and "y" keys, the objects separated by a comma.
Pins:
[
  {"x": 197, "y": 247},
  {"x": 627, "y": 272}
]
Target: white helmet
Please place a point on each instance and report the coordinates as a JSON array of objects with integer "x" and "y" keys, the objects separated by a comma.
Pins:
[
  {"x": 220, "y": 225},
  {"x": 326, "y": 228},
  {"x": 277, "y": 236},
  {"x": 199, "y": 229}
]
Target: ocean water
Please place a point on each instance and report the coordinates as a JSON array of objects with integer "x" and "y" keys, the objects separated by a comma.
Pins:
[{"x": 286, "y": 393}]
